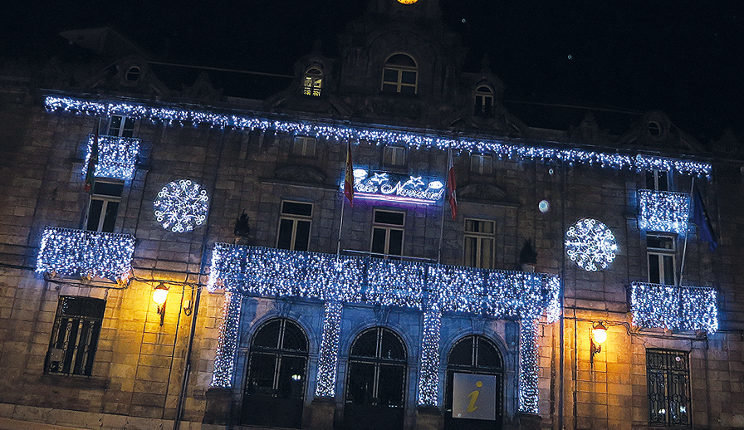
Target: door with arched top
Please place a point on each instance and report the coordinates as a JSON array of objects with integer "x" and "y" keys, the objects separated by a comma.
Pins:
[
  {"x": 474, "y": 386},
  {"x": 376, "y": 381},
  {"x": 274, "y": 390}
]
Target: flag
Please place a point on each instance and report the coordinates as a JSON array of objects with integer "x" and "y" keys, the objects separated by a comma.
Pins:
[
  {"x": 349, "y": 177},
  {"x": 452, "y": 187},
  {"x": 90, "y": 171},
  {"x": 705, "y": 229}
]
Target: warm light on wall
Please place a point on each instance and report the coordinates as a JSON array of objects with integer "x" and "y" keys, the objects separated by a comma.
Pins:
[
  {"x": 407, "y": 1},
  {"x": 160, "y": 296},
  {"x": 599, "y": 336}
]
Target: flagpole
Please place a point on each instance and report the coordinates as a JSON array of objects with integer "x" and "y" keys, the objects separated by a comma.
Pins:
[
  {"x": 444, "y": 201},
  {"x": 687, "y": 233},
  {"x": 340, "y": 226}
]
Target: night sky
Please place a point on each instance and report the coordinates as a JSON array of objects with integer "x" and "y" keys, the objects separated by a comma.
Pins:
[{"x": 682, "y": 57}]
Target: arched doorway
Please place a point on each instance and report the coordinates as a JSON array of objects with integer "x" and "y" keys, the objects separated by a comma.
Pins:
[
  {"x": 275, "y": 381},
  {"x": 376, "y": 381},
  {"x": 474, "y": 360}
]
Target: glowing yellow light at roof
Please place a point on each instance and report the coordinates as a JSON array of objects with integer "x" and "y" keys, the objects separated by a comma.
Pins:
[{"x": 407, "y": 1}]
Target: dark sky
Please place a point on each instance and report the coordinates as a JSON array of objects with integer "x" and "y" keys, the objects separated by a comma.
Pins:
[{"x": 683, "y": 57}]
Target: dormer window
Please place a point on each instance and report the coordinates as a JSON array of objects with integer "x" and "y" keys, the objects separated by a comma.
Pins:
[
  {"x": 400, "y": 75},
  {"x": 312, "y": 82},
  {"x": 133, "y": 74},
  {"x": 483, "y": 101}
]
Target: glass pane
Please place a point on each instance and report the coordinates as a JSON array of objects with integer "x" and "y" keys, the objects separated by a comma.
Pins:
[
  {"x": 128, "y": 127},
  {"x": 395, "y": 245},
  {"x": 389, "y": 88},
  {"x": 393, "y": 218},
  {"x": 94, "y": 214},
  {"x": 659, "y": 242},
  {"x": 462, "y": 353},
  {"x": 82, "y": 306},
  {"x": 488, "y": 355},
  {"x": 302, "y": 236},
  {"x": 361, "y": 383},
  {"x": 294, "y": 338},
  {"x": 407, "y": 90},
  {"x": 390, "y": 75},
  {"x": 261, "y": 374},
  {"x": 486, "y": 253},
  {"x": 292, "y": 377},
  {"x": 409, "y": 78},
  {"x": 653, "y": 268},
  {"x": 668, "y": 270},
  {"x": 82, "y": 348},
  {"x": 392, "y": 348},
  {"x": 663, "y": 181},
  {"x": 650, "y": 181},
  {"x": 378, "y": 241},
  {"x": 285, "y": 234},
  {"x": 268, "y": 335},
  {"x": 471, "y": 250},
  {"x": 292, "y": 208},
  {"x": 390, "y": 386},
  {"x": 108, "y": 189},
  {"x": 365, "y": 345},
  {"x": 115, "y": 126},
  {"x": 401, "y": 60},
  {"x": 110, "y": 218}
]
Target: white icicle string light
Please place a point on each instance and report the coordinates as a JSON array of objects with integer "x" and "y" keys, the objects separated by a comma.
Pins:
[
  {"x": 329, "y": 345},
  {"x": 227, "y": 344},
  {"x": 116, "y": 157},
  {"x": 518, "y": 150},
  {"x": 181, "y": 206},
  {"x": 70, "y": 252},
  {"x": 663, "y": 211},
  {"x": 590, "y": 244},
  {"x": 528, "y": 367},
  {"x": 674, "y": 308},
  {"x": 428, "y": 386}
]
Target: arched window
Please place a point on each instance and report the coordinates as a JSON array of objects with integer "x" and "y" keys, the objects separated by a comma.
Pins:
[
  {"x": 400, "y": 75},
  {"x": 376, "y": 382},
  {"x": 483, "y": 101},
  {"x": 275, "y": 381},
  {"x": 475, "y": 374},
  {"x": 312, "y": 82}
]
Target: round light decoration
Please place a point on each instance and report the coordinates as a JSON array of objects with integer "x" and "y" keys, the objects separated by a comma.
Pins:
[
  {"x": 181, "y": 205},
  {"x": 590, "y": 244}
]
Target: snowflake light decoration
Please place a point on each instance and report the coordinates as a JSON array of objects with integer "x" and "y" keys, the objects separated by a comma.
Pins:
[
  {"x": 181, "y": 205},
  {"x": 590, "y": 244}
]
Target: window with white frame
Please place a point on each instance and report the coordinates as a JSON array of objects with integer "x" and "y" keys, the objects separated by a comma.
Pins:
[
  {"x": 481, "y": 164},
  {"x": 661, "y": 251},
  {"x": 121, "y": 126},
  {"x": 483, "y": 101},
  {"x": 658, "y": 180},
  {"x": 479, "y": 243},
  {"x": 312, "y": 83},
  {"x": 74, "y": 341},
  {"x": 387, "y": 232},
  {"x": 394, "y": 156},
  {"x": 304, "y": 146},
  {"x": 400, "y": 75},
  {"x": 104, "y": 205},
  {"x": 294, "y": 226}
]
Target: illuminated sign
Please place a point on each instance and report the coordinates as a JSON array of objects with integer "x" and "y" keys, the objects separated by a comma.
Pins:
[
  {"x": 385, "y": 186},
  {"x": 474, "y": 396}
]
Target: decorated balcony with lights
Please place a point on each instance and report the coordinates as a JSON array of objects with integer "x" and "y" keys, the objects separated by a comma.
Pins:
[
  {"x": 69, "y": 252},
  {"x": 678, "y": 308},
  {"x": 663, "y": 211},
  {"x": 117, "y": 156}
]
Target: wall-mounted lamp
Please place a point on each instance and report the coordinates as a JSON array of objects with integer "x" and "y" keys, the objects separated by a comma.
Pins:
[
  {"x": 599, "y": 336},
  {"x": 160, "y": 296}
]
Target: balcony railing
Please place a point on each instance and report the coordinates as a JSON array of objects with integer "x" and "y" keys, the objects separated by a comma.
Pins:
[
  {"x": 82, "y": 253},
  {"x": 116, "y": 156},
  {"x": 279, "y": 273},
  {"x": 663, "y": 211},
  {"x": 674, "y": 308}
]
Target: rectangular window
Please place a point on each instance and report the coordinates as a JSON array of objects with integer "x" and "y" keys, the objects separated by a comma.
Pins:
[
  {"x": 294, "y": 226},
  {"x": 104, "y": 204},
  {"x": 657, "y": 180},
  {"x": 479, "y": 243},
  {"x": 121, "y": 126},
  {"x": 75, "y": 335},
  {"x": 387, "y": 232},
  {"x": 481, "y": 164},
  {"x": 661, "y": 259},
  {"x": 668, "y": 375},
  {"x": 394, "y": 156},
  {"x": 304, "y": 146}
]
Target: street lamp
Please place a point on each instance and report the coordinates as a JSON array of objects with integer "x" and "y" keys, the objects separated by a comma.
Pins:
[
  {"x": 599, "y": 336},
  {"x": 160, "y": 296}
]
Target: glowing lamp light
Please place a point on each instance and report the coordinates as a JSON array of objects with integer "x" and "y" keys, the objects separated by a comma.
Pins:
[
  {"x": 160, "y": 296},
  {"x": 407, "y": 1},
  {"x": 599, "y": 334}
]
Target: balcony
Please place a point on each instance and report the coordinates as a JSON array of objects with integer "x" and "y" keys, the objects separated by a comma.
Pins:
[
  {"x": 86, "y": 254},
  {"x": 674, "y": 308},
  {"x": 663, "y": 211},
  {"x": 272, "y": 272},
  {"x": 116, "y": 156}
]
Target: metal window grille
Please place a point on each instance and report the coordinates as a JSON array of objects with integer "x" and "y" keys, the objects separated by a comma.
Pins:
[
  {"x": 77, "y": 327},
  {"x": 668, "y": 388}
]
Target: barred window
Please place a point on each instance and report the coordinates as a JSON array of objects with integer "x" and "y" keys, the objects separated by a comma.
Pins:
[
  {"x": 75, "y": 335},
  {"x": 668, "y": 374}
]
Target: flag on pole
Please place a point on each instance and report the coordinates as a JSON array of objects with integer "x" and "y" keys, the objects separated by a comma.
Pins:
[
  {"x": 452, "y": 186},
  {"x": 349, "y": 177},
  {"x": 90, "y": 171},
  {"x": 705, "y": 229}
]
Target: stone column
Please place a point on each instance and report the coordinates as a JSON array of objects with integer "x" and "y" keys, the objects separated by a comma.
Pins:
[{"x": 224, "y": 360}]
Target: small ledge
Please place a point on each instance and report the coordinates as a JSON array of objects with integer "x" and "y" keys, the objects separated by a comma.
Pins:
[{"x": 75, "y": 381}]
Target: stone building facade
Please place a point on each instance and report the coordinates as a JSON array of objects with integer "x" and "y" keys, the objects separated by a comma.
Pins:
[{"x": 290, "y": 317}]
